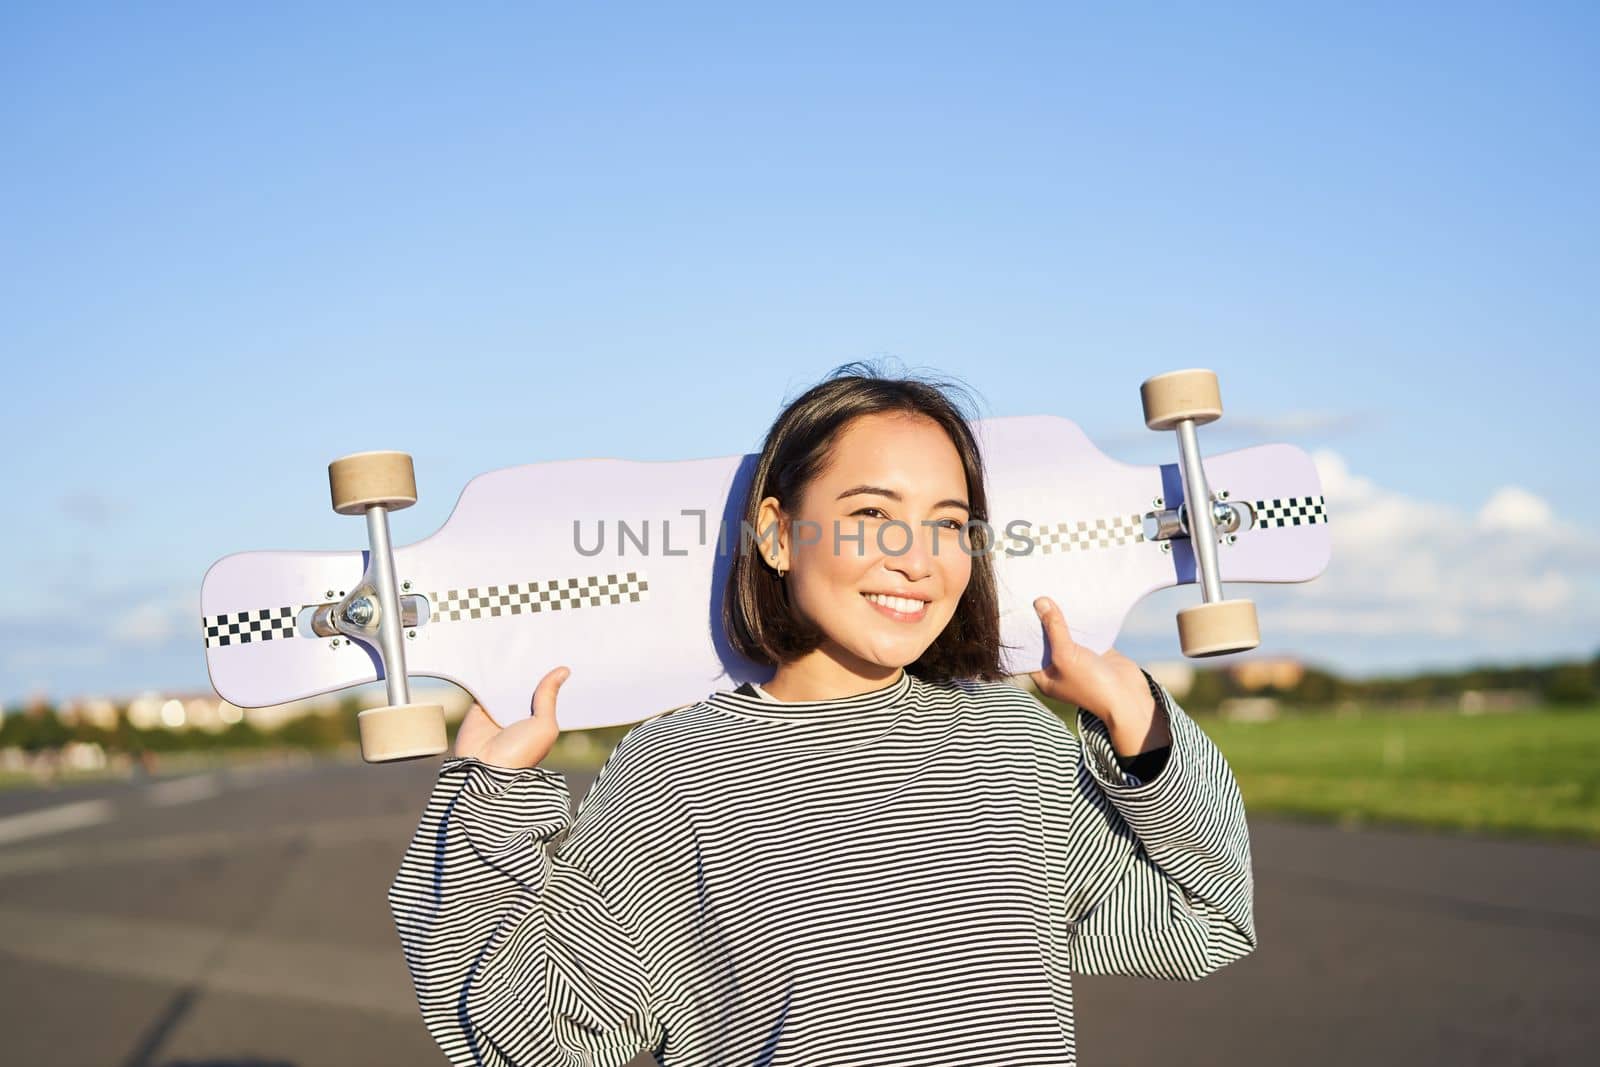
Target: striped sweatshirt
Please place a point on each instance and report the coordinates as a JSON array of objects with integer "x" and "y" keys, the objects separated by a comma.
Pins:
[{"x": 911, "y": 875}]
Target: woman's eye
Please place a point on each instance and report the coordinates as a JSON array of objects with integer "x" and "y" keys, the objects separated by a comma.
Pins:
[{"x": 954, "y": 524}]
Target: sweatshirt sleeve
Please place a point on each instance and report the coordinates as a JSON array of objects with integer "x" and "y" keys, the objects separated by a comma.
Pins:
[
  {"x": 519, "y": 958},
  {"x": 1165, "y": 887}
]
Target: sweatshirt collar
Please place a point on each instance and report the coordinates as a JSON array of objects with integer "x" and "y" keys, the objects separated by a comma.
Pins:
[{"x": 874, "y": 700}]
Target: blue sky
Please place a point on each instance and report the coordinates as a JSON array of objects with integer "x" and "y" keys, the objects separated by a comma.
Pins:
[{"x": 238, "y": 243}]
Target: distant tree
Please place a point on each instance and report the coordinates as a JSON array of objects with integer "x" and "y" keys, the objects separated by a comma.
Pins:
[
  {"x": 1208, "y": 690},
  {"x": 90, "y": 733},
  {"x": 35, "y": 731},
  {"x": 162, "y": 739},
  {"x": 1571, "y": 683},
  {"x": 312, "y": 731},
  {"x": 1317, "y": 687},
  {"x": 349, "y": 718},
  {"x": 1419, "y": 687},
  {"x": 243, "y": 734}
]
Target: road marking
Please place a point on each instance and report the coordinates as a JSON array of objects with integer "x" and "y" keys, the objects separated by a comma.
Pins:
[
  {"x": 394, "y": 830},
  {"x": 64, "y": 817},
  {"x": 182, "y": 790},
  {"x": 55, "y": 820},
  {"x": 314, "y": 972}
]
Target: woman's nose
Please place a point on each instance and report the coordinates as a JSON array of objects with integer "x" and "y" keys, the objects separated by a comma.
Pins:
[{"x": 913, "y": 556}]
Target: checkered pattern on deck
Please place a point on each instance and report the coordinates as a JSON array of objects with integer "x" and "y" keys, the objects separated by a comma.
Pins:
[
  {"x": 1078, "y": 534},
  {"x": 243, "y": 627},
  {"x": 1289, "y": 511},
  {"x": 1085, "y": 534},
  {"x": 476, "y": 602},
  {"x": 556, "y": 594}
]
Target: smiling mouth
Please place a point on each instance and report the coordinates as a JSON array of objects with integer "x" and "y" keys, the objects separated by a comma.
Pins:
[{"x": 901, "y": 609}]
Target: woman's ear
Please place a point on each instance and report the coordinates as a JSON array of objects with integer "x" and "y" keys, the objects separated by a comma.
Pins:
[{"x": 772, "y": 534}]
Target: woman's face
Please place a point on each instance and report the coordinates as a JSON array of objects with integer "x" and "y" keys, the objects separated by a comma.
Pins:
[{"x": 884, "y": 520}]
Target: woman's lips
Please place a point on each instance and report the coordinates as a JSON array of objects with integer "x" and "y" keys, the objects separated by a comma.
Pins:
[{"x": 897, "y": 616}]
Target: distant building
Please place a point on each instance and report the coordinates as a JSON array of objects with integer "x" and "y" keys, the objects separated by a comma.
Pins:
[
  {"x": 92, "y": 711},
  {"x": 190, "y": 710},
  {"x": 1176, "y": 675},
  {"x": 152, "y": 710},
  {"x": 1483, "y": 701},
  {"x": 1249, "y": 709},
  {"x": 1276, "y": 673}
]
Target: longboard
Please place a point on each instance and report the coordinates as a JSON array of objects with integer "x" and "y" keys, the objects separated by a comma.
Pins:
[{"x": 616, "y": 567}]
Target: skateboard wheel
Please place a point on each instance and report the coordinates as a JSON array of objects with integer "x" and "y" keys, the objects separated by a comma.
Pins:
[
  {"x": 1217, "y": 628},
  {"x": 1181, "y": 394},
  {"x": 363, "y": 479},
  {"x": 402, "y": 731}
]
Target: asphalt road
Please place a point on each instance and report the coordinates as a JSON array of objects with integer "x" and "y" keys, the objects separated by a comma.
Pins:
[{"x": 231, "y": 919}]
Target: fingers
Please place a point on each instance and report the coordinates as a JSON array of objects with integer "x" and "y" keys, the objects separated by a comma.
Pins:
[
  {"x": 475, "y": 726},
  {"x": 1063, "y": 649},
  {"x": 544, "y": 694},
  {"x": 478, "y": 722},
  {"x": 1055, "y": 623},
  {"x": 522, "y": 744}
]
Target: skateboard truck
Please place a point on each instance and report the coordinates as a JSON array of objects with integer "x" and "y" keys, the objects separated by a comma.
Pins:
[
  {"x": 1182, "y": 400},
  {"x": 374, "y": 484},
  {"x": 357, "y": 615},
  {"x": 1169, "y": 524}
]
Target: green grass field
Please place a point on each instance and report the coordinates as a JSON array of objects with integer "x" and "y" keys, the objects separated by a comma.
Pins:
[
  {"x": 1525, "y": 774},
  {"x": 1529, "y": 773}
]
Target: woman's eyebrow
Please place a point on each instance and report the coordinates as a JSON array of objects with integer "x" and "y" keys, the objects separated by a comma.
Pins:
[{"x": 892, "y": 495}]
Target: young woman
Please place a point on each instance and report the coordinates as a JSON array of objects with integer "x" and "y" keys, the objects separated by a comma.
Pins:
[{"x": 886, "y": 854}]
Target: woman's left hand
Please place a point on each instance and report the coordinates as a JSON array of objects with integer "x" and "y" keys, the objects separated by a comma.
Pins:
[{"x": 1108, "y": 685}]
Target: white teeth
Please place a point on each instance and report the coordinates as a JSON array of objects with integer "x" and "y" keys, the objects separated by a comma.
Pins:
[{"x": 906, "y": 605}]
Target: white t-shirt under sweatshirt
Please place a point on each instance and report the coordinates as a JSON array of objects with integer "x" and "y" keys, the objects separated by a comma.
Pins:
[{"x": 910, "y": 875}]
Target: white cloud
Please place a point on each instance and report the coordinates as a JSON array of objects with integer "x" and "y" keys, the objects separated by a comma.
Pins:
[
  {"x": 1508, "y": 580},
  {"x": 1511, "y": 508},
  {"x": 1402, "y": 564},
  {"x": 154, "y": 621},
  {"x": 129, "y": 621}
]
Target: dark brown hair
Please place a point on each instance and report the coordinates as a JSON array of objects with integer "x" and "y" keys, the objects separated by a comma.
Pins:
[{"x": 756, "y": 614}]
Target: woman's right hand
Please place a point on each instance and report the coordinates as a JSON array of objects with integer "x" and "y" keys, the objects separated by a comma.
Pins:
[{"x": 522, "y": 744}]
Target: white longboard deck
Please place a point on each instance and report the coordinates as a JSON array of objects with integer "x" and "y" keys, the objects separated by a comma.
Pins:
[{"x": 615, "y": 568}]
